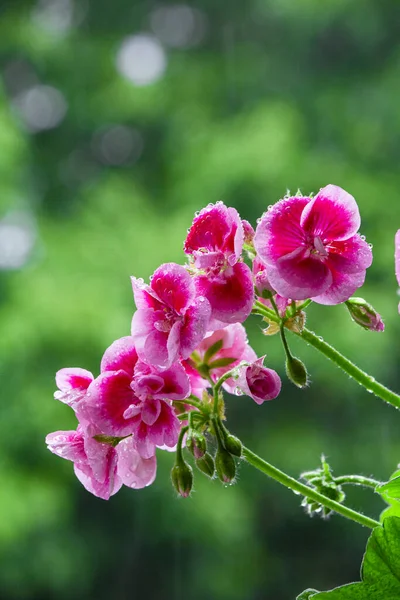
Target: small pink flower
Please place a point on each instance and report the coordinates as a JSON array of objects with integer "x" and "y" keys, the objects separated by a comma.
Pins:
[
  {"x": 95, "y": 464},
  {"x": 397, "y": 257},
  {"x": 120, "y": 404},
  {"x": 171, "y": 319},
  {"x": 72, "y": 385},
  {"x": 312, "y": 248},
  {"x": 258, "y": 382},
  {"x": 215, "y": 243},
  {"x": 248, "y": 232},
  {"x": 234, "y": 348}
]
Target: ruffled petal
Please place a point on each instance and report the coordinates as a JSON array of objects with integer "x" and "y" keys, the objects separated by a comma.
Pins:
[
  {"x": 68, "y": 445},
  {"x": 107, "y": 399},
  {"x": 72, "y": 384},
  {"x": 343, "y": 286},
  {"x": 300, "y": 278},
  {"x": 216, "y": 227},
  {"x": 120, "y": 355},
  {"x": 150, "y": 342},
  {"x": 231, "y": 296},
  {"x": 173, "y": 286},
  {"x": 279, "y": 231},
  {"x": 332, "y": 215},
  {"x": 134, "y": 470},
  {"x": 176, "y": 384},
  {"x": 144, "y": 296},
  {"x": 102, "y": 490},
  {"x": 151, "y": 411},
  {"x": 349, "y": 256},
  {"x": 195, "y": 325}
]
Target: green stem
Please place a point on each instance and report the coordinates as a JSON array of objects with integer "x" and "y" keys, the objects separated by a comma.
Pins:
[
  {"x": 350, "y": 368},
  {"x": 356, "y": 480},
  {"x": 306, "y": 491},
  {"x": 190, "y": 402},
  {"x": 221, "y": 380}
]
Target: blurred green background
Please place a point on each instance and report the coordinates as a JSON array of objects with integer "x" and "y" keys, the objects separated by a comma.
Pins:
[{"x": 118, "y": 120}]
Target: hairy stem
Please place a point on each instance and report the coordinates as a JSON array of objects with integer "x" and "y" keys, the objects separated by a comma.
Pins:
[
  {"x": 367, "y": 381},
  {"x": 357, "y": 480},
  {"x": 306, "y": 491}
]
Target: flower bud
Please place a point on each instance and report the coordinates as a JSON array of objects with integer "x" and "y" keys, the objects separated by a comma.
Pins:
[
  {"x": 206, "y": 465},
  {"x": 364, "y": 314},
  {"x": 182, "y": 478},
  {"x": 196, "y": 444},
  {"x": 225, "y": 466},
  {"x": 248, "y": 232},
  {"x": 258, "y": 382},
  {"x": 233, "y": 445},
  {"x": 296, "y": 372}
]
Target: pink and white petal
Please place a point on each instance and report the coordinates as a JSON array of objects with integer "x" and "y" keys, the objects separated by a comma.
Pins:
[
  {"x": 279, "y": 231},
  {"x": 68, "y": 445},
  {"x": 196, "y": 382},
  {"x": 173, "y": 344},
  {"x": 120, "y": 355},
  {"x": 210, "y": 229},
  {"x": 108, "y": 397},
  {"x": 151, "y": 410},
  {"x": 134, "y": 470},
  {"x": 349, "y": 256},
  {"x": 173, "y": 286},
  {"x": 73, "y": 378},
  {"x": 332, "y": 215},
  {"x": 166, "y": 429},
  {"x": 144, "y": 321},
  {"x": 397, "y": 255},
  {"x": 195, "y": 325},
  {"x": 102, "y": 490},
  {"x": 343, "y": 286},
  {"x": 143, "y": 443},
  {"x": 144, "y": 296},
  {"x": 176, "y": 384},
  {"x": 234, "y": 242},
  {"x": 231, "y": 296},
  {"x": 298, "y": 278},
  {"x": 98, "y": 456}
]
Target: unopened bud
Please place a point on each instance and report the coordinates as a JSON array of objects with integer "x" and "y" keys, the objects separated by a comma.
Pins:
[
  {"x": 182, "y": 478},
  {"x": 233, "y": 445},
  {"x": 196, "y": 444},
  {"x": 296, "y": 372},
  {"x": 364, "y": 314},
  {"x": 225, "y": 465},
  {"x": 206, "y": 465}
]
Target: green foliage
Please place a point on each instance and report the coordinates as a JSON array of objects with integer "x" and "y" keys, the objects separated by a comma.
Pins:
[{"x": 380, "y": 570}]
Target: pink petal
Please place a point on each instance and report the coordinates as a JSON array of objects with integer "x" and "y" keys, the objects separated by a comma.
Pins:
[
  {"x": 166, "y": 429},
  {"x": 176, "y": 385},
  {"x": 173, "y": 286},
  {"x": 68, "y": 445},
  {"x": 151, "y": 411},
  {"x": 195, "y": 325},
  {"x": 397, "y": 255},
  {"x": 120, "y": 355},
  {"x": 299, "y": 278},
  {"x": 107, "y": 399},
  {"x": 99, "y": 456},
  {"x": 349, "y": 256},
  {"x": 216, "y": 227},
  {"x": 332, "y": 215},
  {"x": 102, "y": 490},
  {"x": 144, "y": 445},
  {"x": 231, "y": 296},
  {"x": 72, "y": 384},
  {"x": 144, "y": 296},
  {"x": 134, "y": 470},
  {"x": 279, "y": 231},
  {"x": 259, "y": 383},
  {"x": 343, "y": 286},
  {"x": 151, "y": 343}
]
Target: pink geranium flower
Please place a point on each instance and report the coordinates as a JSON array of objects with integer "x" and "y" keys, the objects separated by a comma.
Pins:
[
  {"x": 312, "y": 248},
  {"x": 101, "y": 467},
  {"x": 171, "y": 319},
  {"x": 233, "y": 348},
  {"x": 215, "y": 243},
  {"x": 258, "y": 382},
  {"x": 120, "y": 404}
]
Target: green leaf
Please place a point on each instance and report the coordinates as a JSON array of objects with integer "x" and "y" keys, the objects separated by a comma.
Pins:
[
  {"x": 380, "y": 569},
  {"x": 391, "y": 489},
  {"x": 222, "y": 362},
  {"x": 393, "y": 510},
  {"x": 212, "y": 350}
]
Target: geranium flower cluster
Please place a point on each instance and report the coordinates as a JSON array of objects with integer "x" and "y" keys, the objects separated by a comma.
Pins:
[{"x": 158, "y": 388}]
